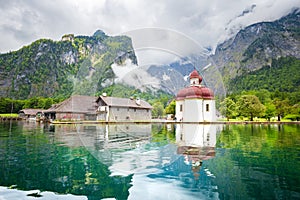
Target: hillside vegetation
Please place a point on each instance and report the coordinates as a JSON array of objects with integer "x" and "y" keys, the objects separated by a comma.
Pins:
[
  {"x": 48, "y": 68},
  {"x": 257, "y": 46},
  {"x": 282, "y": 75}
]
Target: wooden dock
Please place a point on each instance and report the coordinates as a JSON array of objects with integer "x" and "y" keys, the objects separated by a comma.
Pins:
[{"x": 10, "y": 118}]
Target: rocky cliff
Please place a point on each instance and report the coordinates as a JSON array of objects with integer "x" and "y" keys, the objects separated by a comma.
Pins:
[
  {"x": 75, "y": 64},
  {"x": 255, "y": 46}
]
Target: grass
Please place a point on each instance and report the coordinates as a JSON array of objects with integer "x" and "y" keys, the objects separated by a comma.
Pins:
[
  {"x": 9, "y": 115},
  {"x": 255, "y": 119}
]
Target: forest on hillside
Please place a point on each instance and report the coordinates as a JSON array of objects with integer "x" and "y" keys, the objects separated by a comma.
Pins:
[
  {"x": 270, "y": 92},
  {"x": 282, "y": 75}
]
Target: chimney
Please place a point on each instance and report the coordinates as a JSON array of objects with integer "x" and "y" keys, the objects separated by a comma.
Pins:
[{"x": 138, "y": 101}]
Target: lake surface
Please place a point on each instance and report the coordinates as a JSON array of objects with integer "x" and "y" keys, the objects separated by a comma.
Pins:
[{"x": 158, "y": 161}]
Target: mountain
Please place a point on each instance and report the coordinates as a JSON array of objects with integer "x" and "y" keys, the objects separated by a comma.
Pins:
[
  {"x": 173, "y": 77},
  {"x": 259, "y": 49},
  {"x": 75, "y": 64},
  {"x": 258, "y": 46},
  {"x": 254, "y": 58}
]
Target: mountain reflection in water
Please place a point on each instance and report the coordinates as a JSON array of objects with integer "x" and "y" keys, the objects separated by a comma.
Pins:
[{"x": 150, "y": 161}]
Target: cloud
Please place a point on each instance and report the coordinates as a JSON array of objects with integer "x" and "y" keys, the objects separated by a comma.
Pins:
[
  {"x": 159, "y": 46},
  {"x": 206, "y": 22}
]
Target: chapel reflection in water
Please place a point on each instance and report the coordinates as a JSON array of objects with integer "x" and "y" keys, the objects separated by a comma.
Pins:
[{"x": 196, "y": 142}]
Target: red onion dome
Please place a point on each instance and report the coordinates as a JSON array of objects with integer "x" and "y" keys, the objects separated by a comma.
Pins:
[
  {"x": 195, "y": 74},
  {"x": 181, "y": 94},
  {"x": 195, "y": 92},
  {"x": 207, "y": 93}
]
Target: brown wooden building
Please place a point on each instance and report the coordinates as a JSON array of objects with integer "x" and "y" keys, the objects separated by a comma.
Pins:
[
  {"x": 77, "y": 107},
  {"x": 102, "y": 108},
  {"x": 30, "y": 113}
]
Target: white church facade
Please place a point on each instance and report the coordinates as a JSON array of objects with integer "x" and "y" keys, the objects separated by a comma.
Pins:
[{"x": 195, "y": 103}]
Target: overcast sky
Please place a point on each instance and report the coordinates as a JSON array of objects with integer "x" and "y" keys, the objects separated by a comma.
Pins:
[{"x": 206, "y": 22}]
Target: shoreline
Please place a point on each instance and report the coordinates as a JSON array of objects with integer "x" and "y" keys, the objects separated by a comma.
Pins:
[
  {"x": 173, "y": 122},
  {"x": 155, "y": 121}
]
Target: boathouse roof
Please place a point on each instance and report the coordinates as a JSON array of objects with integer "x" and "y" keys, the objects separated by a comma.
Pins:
[
  {"x": 31, "y": 111},
  {"x": 124, "y": 102},
  {"x": 75, "y": 104}
]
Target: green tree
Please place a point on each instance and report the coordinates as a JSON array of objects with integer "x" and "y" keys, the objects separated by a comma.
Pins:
[
  {"x": 270, "y": 111},
  {"x": 228, "y": 108},
  {"x": 282, "y": 107},
  {"x": 158, "y": 109},
  {"x": 48, "y": 103},
  {"x": 18, "y": 105},
  {"x": 5, "y": 104},
  {"x": 170, "y": 109},
  {"x": 31, "y": 103},
  {"x": 295, "y": 109},
  {"x": 264, "y": 96},
  {"x": 250, "y": 106},
  {"x": 41, "y": 103}
]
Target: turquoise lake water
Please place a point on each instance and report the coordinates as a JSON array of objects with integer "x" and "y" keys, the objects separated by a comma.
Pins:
[{"x": 149, "y": 161}]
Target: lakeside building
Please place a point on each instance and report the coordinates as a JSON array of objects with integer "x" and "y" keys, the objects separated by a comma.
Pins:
[
  {"x": 30, "y": 113},
  {"x": 112, "y": 109},
  {"x": 102, "y": 108},
  {"x": 196, "y": 102},
  {"x": 77, "y": 107}
]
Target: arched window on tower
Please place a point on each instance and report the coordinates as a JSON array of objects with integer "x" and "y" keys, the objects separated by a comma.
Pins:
[{"x": 207, "y": 107}]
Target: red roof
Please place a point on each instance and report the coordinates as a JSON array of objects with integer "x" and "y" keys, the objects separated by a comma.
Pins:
[
  {"x": 195, "y": 74},
  {"x": 199, "y": 92}
]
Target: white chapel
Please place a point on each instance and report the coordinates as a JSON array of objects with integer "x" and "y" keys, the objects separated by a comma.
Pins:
[{"x": 195, "y": 103}]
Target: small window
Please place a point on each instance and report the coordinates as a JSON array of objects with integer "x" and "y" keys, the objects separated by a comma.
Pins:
[
  {"x": 181, "y": 108},
  {"x": 135, "y": 110},
  {"x": 116, "y": 118},
  {"x": 207, "y": 107},
  {"x": 118, "y": 109}
]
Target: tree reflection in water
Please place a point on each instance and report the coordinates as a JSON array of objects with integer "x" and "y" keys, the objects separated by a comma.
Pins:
[{"x": 159, "y": 161}]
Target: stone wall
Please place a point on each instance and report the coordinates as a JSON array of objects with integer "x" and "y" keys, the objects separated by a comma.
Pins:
[{"x": 128, "y": 114}]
